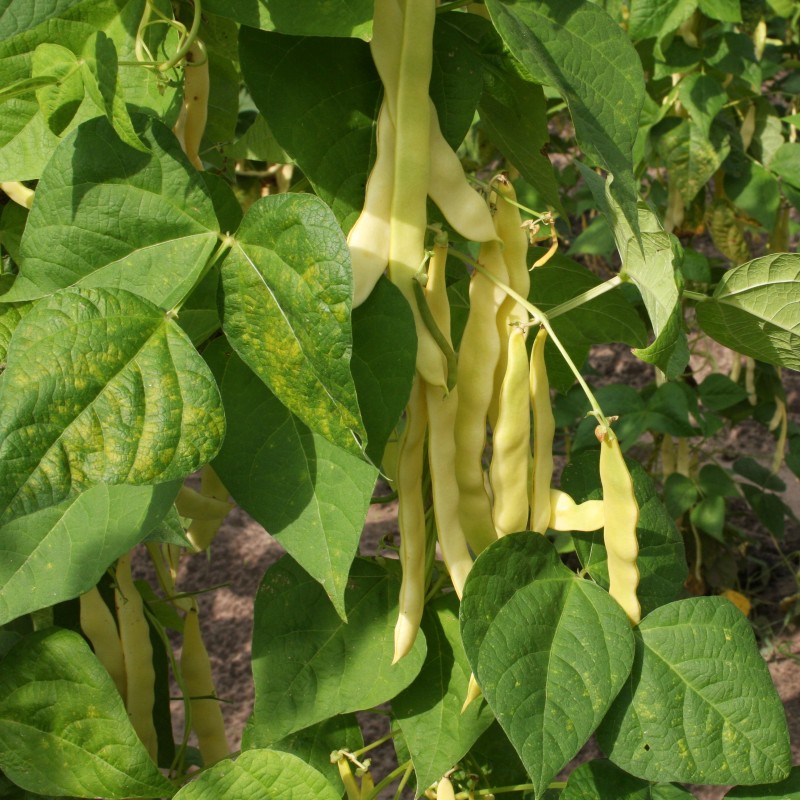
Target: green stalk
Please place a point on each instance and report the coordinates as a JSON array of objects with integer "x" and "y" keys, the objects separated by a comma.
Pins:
[{"x": 586, "y": 296}]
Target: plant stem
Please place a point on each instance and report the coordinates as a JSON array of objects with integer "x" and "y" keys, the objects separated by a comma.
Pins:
[
  {"x": 697, "y": 296},
  {"x": 389, "y": 779},
  {"x": 586, "y": 296},
  {"x": 372, "y": 745},
  {"x": 522, "y": 787},
  {"x": 403, "y": 781},
  {"x": 542, "y": 319},
  {"x": 188, "y": 41}
]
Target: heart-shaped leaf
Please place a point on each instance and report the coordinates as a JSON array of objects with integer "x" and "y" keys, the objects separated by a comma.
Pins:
[
  {"x": 550, "y": 651},
  {"x": 101, "y": 386},
  {"x": 754, "y": 310},
  {"x": 308, "y": 665},
  {"x": 63, "y": 727},
  {"x": 57, "y": 553},
  {"x": 288, "y": 295},
  {"x": 699, "y": 706},
  {"x": 108, "y": 215},
  {"x": 311, "y": 495}
]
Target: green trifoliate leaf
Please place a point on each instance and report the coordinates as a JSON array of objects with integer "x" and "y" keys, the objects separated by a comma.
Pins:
[
  {"x": 59, "y": 552},
  {"x": 604, "y": 87},
  {"x": 434, "y": 701},
  {"x": 63, "y": 726},
  {"x": 383, "y": 366},
  {"x": 108, "y": 215},
  {"x": 550, "y": 651},
  {"x": 260, "y": 773},
  {"x": 101, "y": 76},
  {"x": 308, "y": 665},
  {"x": 311, "y": 495},
  {"x": 754, "y": 310},
  {"x": 101, "y": 386},
  {"x": 699, "y": 706},
  {"x": 287, "y": 300}
]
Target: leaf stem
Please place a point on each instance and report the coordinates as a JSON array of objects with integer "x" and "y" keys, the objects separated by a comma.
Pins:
[
  {"x": 697, "y": 296},
  {"x": 188, "y": 41},
  {"x": 585, "y": 297},
  {"x": 389, "y": 779},
  {"x": 226, "y": 243},
  {"x": 373, "y": 745},
  {"x": 542, "y": 319},
  {"x": 521, "y": 787}
]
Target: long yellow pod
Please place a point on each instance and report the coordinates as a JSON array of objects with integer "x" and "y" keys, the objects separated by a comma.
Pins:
[
  {"x": 619, "y": 535},
  {"x": 567, "y": 515},
  {"x": 195, "y": 505},
  {"x": 192, "y": 120},
  {"x": 404, "y": 65},
  {"x": 511, "y": 442},
  {"x": 544, "y": 427},
  {"x": 98, "y": 623},
  {"x": 411, "y": 521},
  {"x": 463, "y": 208},
  {"x": 18, "y": 192},
  {"x": 369, "y": 237},
  {"x": 441, "y": 443},
  {"x": 478, "y": 354},
  {"x": 207, "y": 720},
  {"x": 138, "y": 653},
  {"x": 508, "y": 223},
  {"x": 202, "y": 531}
]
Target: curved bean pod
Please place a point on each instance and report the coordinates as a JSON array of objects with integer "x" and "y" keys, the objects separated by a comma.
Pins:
[
  {"x": 544, "y": 427},
  {"x": 619, "y": 535},
  {"x": 411, "y": 520}
]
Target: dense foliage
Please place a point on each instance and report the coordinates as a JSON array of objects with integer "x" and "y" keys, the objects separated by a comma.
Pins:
[{"x": 237, "y": 239}]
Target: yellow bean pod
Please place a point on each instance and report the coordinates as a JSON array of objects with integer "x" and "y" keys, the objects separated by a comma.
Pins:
[
  {"x": 411, "y": 521},
  {"x": 369, "y": 237},
  {"x": 18, "y": 192},
  {"x": 567, "y": 515},
  {"x": 442, "y": 412},
  {"x": 464, "y": 209},
  {"x": 508, "y": 223},
  {"x": 203, "y": 530},
  {"x": 544, "y": 427},
  {"x": 192, "y": 120},
  {"x": 444, "y": 790},
  {"x": 98, "y": 623},
  {"x": 511, "y": 442},
  {"x": 619, "y": 535},
  {"x": 478, "y": 355},
  {"x": 207, "y": 720},
  {"x": 138, "y": 654}
]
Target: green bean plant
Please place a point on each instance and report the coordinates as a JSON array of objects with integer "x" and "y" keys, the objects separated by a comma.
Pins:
[{"x": 292, "y": 248}]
